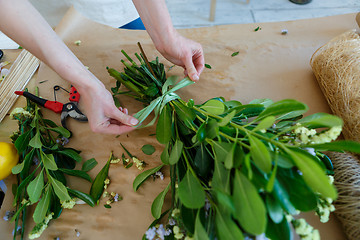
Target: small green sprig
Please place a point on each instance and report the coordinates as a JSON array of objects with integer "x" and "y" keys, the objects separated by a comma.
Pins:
[{"x": 44, "y": 163}]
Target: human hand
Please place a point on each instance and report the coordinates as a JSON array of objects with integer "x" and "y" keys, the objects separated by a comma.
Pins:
[
  {"x": 103, "y": 115},
  {"x": 185, "y": 53}
]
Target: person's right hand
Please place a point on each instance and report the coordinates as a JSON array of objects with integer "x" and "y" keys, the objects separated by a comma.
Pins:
[
  {"x": 184, "y": 52},
  {"x": 103, "y": 115}
]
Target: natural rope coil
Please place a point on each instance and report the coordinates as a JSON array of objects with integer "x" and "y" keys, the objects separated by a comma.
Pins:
[
  {"x": 336, "y": 66},
  {"x": 347, "y": 182}
]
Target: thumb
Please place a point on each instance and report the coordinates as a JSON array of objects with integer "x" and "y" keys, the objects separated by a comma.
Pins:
[
  {"x": 123, "y": 118},
  {"x": 190, "y": 69}
]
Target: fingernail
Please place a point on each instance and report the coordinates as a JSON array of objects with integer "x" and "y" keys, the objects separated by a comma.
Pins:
[
  {"x": 195, "y": 77},
  {"x": 134, "y": 121}
]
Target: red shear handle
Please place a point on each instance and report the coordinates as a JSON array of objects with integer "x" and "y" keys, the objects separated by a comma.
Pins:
[
  {"x": 54, "y": 106},
  {"x": 74, "y": 95}
]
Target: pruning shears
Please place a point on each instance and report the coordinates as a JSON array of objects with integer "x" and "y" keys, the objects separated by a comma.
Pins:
[{"x": 68, "y": 109}]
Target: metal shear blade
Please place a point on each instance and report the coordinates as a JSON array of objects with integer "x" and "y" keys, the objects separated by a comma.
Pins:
[{"x": 70, "y": 109}]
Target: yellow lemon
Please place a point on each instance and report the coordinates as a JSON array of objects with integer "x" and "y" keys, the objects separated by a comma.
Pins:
[{"x": 8, "y": 159}]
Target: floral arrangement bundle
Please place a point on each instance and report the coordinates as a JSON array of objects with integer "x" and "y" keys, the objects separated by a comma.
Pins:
[{"x": 237, "y": 170}]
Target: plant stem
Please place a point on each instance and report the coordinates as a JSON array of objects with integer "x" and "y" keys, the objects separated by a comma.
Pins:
[
  {"x": 23, "y": 223},
  {"x": 146, "y": 61}
]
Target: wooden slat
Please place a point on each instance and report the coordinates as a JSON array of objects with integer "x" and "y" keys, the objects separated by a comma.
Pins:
[{"x": 21, "y": 72}]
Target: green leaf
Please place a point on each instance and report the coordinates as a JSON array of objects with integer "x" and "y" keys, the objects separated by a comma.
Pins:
[
  {"x": 274, "y": 209},
  {"x": 232, "y": 104},
  {"x": 62, "y": 131},
  {"x": 176, "y": 152},
  {"x": 28, "y": 161},
  {"x": 283, "y": 160},
  {"x": 188, "y": 217},
  {"x": 201, "y": 132},
  {"x": 282, "y": 196},
  {"x": 58, "y": 175},
  {"x": 257, "y": 29},
  {"x": 59, "y": 189},
  {"x": 249, "y": 110},
  {"x": 187, "y": 115},
  {"x": 83, "y": 196},
  {"x": 221, "y": 178},
  {"x": 226, "y": 228},
  {"x": 235, "y": 53},
  {"x": 260, "y": 154},
  {"x": 22, "y": 141},
  {"x": 97, "y": 187},
  {"x": 49, "y": 161},
  {"x": 107, "y": 206},
  {"x": 190, "y": 191},
  {"x": 152, "y": 90},
  {"x": 212, "y": 129},
  {"x": 321, "y": 120},
  {"x": 313, "y": 174},
  {"x": 35, "y": 188},
  {"x": 89, "y": 164},
  {"x": 42, "y": 207},
  {"x": 55, "y": 206},
  {"x": 50, "y": 123},
  {"x": 221, "y": 150},
  {"x": 200, "y": 232},
  {"x": 226, "y": 120},
  {"x": 214, "y": 107},
  {"x": 202, "y": 161},
  {"x": 163, "y": 128},
  {"x": 225, "y": 200},
  {"x": 71, "y": 154},
  {"x": 280, "y": 231},
  {"x": 35, "y": 142},
  {"x": 248, "y": 167},
  {"x": 239, "y": 156},
  {"x": 327, "y": 162},
  {"x": 270, "y": 184},
  {"x": 300, "y": 195},
  {"x": 22, "y": 186},
  {"x": 265, "y": 123},
  {"x": 158, "y": 203},
  {"x": 128, "y": 153},
  {"x": 18, "y": 168},
  {"x": 148, "y": 149},
  {"x": 282, "y": 108},
  {"x": 250, "y": 210},
  {"x": 76, "y": 173},
  {"x": 144, "y": 175},
  {"x": 263, "y": 101},
  {"x": 339, "y": 146},
  {"x": 229, "y": 159},
  {"x": 207, "y": 66},
  {"x": 165, "y": 155}
]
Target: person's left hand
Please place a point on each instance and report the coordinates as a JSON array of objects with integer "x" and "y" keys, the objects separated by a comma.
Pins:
[
  {"x": 185, "y": 53},
  {"x": 103, "y": 115}
]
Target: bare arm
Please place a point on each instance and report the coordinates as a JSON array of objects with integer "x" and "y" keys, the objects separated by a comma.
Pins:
[
  {"x": 177, "y": 49},
  {"x": 23, "y": 23}
]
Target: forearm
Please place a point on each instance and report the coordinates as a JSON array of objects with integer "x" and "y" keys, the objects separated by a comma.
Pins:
[
  {"x": 22, "y": 22},
  {"x": 155, "y": 16}
]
